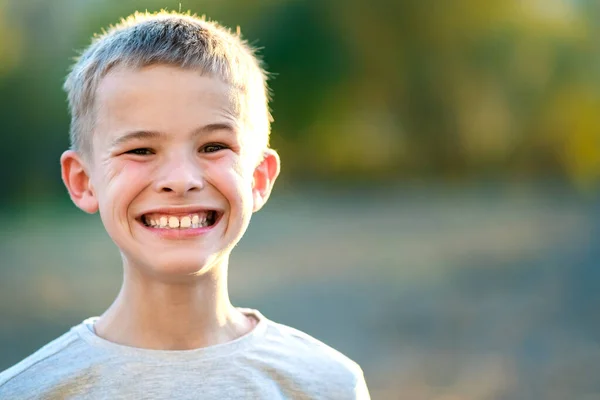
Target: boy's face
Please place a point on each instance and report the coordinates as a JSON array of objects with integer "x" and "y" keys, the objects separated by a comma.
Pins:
[{"x": 173, "y": 173}]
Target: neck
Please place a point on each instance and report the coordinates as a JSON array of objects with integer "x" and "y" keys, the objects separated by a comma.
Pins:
[{"x": 153, "y": 314}]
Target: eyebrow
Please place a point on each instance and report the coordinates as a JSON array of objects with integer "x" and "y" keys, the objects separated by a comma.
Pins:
[{"x": 137, "y": 135}]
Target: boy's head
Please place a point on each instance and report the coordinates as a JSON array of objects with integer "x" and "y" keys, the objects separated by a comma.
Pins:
[
  {"x": 178, "y": 40},
  {"x": 169, "y": 133}
]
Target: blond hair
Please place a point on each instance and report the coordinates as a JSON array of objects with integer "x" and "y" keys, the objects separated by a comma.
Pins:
[{"x": 170, "y": 38}]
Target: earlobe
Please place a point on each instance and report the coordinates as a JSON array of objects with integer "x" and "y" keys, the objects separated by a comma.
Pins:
[
  {"x": 264, "y": 178},
  {"x": 77, "y": 181}
]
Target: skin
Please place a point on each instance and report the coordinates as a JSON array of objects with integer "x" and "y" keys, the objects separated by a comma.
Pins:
[{"x": 193, "y": 152}]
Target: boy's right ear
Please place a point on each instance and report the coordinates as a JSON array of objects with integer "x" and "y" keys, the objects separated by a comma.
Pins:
[{"x": 77, "y": 181}]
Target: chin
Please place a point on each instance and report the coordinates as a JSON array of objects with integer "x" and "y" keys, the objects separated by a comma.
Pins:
[{"x": 180, "y": 266}]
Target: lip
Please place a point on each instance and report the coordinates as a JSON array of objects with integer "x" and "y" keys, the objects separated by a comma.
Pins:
[{"x": 179, "y": 212}]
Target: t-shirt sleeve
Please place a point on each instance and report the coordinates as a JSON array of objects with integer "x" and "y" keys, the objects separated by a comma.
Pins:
[{"x": 361, "y": 392}]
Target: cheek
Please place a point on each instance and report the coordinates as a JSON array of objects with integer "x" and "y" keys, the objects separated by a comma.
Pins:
[
  {"x": 232, "y": 180},
  {"x": 123, "y": 180}
]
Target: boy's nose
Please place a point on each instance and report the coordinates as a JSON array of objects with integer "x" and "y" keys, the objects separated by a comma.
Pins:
[{"x": 180, "y": 177}]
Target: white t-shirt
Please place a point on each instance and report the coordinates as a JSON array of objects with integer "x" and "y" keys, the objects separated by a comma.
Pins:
[{"x": 273, "y": 361}]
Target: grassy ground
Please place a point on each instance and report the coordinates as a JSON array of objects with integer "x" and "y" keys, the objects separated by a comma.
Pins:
[{"x": 438, "y": 295}]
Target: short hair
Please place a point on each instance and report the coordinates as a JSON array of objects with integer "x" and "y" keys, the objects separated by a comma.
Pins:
[{"x": 176, "y": 39}]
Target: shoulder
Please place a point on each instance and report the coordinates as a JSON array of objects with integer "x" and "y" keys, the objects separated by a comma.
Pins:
[
  {"x": 306, "y": 346},
  {"x": 312, "y": 362},
  {"x": 39, "y": 366}
]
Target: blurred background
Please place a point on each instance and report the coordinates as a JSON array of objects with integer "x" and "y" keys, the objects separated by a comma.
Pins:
[{"x": 437, "y": 218}]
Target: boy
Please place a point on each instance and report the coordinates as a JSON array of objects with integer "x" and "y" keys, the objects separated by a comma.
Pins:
[{"x": 169, "y": 133}]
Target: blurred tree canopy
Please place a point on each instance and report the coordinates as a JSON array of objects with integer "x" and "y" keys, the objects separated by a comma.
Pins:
[{"x": 369, "y": 91}]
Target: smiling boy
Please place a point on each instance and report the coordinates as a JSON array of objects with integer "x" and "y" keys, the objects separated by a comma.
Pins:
[{"x": 169, "y": 132}]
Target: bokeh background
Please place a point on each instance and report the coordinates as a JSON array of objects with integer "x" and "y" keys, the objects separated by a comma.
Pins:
[{"x": 437, "y": 218}]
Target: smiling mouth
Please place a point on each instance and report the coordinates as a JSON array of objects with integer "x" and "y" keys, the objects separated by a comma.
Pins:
[{"x": 199, "y": 219}]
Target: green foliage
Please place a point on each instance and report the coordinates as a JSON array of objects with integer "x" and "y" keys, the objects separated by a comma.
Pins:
[{"x": 374, "y": 90}]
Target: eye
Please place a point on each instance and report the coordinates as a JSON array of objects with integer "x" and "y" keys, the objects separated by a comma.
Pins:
[
  {"x": 212, "y": 148},
  {"x": 140, "y": 152}
]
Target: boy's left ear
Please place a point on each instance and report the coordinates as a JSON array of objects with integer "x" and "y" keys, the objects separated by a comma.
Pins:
[{"x": 264, "y": 177}]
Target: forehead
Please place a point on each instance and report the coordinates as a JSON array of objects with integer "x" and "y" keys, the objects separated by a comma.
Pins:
[{"x": 162, "y": 98}]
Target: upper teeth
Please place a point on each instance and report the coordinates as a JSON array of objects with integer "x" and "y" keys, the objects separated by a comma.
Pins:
[{"x": 170, "y": 221}]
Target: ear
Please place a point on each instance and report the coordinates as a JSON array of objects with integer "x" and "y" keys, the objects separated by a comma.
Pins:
[
  {"x": 77, "y": 181},
  {"x": 264, "y": 177}
]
